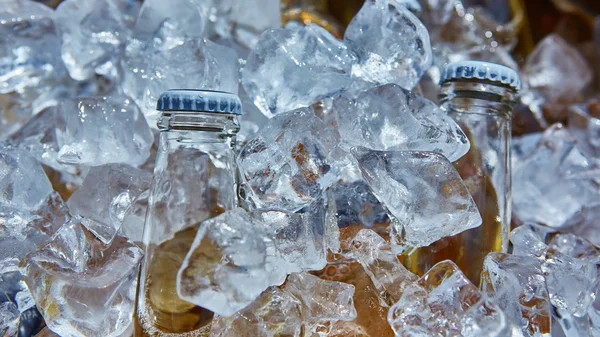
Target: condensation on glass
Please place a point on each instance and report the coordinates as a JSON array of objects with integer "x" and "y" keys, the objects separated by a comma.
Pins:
[
  {"x": 479, "y": 96},
  {"x": 194, "y": 179}
]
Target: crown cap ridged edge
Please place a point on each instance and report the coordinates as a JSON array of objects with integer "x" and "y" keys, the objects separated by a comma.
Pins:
[
  {"x": 199, "y": 101},
  {"x": 479, "y": 70}
]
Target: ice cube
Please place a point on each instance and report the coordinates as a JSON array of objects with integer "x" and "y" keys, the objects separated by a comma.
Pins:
[
  {"x": 555, "y": 182},
  {"x": 384, "y": 268},
  {"x": 102, "y": 130},
  {"x": 586, "y": 225},
  {"x": 30, "y": 64},
  {"x": 391, "y": 43},
  {"x": 30, "y": 211},
  {"x": 571, "y": 326},
  {"x": 295, "y": 241},
  {"x": 530, "y": 240},
  {"x": 225, "y": 269},
  {"x": 93, "y": 34},
  {"x": 245, "y": 28},
  {"x": 15, "y": 299},
  {"x": 457, "y": 27},
  {"x": 133, "y": 222},
  {"x": 38, "y": 138},
  {"x": 371, "y": 308},
  {"x": 524, "y": 146},
  {"x": 184, "y": 18},
  {"x": 322, "y": 300},
  {"x": 572, "y": 282},
  {"x": 82, "y": 287},
  {"x": 518, "y": 286},
  {"x": 423, "y": 192},
  {"x": 275, "y": 313},
  {"x": 584, "y": 124},
  {"x": 444, "y": 303},
  {"x": 558, "y": 72},
  {"x": 287, "y": 166},
  {"x": 576, "y": 247},
  {"x": 9, "y": 318},
  {"x": 107, "y": 194},
  {"x": 389, "y": 118},
  {"x": 251, "y": 121},
  {"x": 354, "y": 204},
  {"x": 153, "y": 66},
  {"x": 295, "y": 66}
]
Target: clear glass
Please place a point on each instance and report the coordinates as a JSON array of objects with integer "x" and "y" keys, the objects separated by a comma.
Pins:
[
  {"x": 483, "y": 111},
  {"x": 194, "y": 179}
]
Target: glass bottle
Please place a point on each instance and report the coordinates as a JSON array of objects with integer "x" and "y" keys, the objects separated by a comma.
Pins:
[
  {"x": 194, "y": 179},
  {"x": 479, "y": 96}
]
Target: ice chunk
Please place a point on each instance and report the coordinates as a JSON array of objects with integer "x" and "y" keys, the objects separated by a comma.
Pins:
[
  {"x": 530, "y": 240},
  {"x": 235, "y": 21},
  {"x": 295, "y": 66},
  {"x": 251, "y": 121},
  {"x": 38, "y": 137},
  {"x": 224, "y": 270},
  {"x": 295, "y": 241},
  {"x": 573, "y": 326},
  {"x": 9, "y": 318},
  {"x": 82, "y": 287},
  {"x": 15, "y": 299},
  {"x": 586, "y": 225},
  {"x": 93, "y": 34},
  {"x": 391, "y": 43},
  {"x": 517, "y": 285},
  {"x": 576, "y": 247},
  {"x": 564, "y": 188},
  {"x": 30, "y": 212},
  {"x": 389, "y": 118},
  {"x": 371, "y": 308},
  {"x": 275, "y": 313},
  {"x": 135, "y": 217},
  {"x": 584, "y": 124},
  {"x": 322, "y": 300},
  {"x": 382, "y": 265},
  {"x": 423, "y": 192},
  {"x": 30, "y": 64},
  {"x": 524, "y": 146},
  {"x": 354, "y": 204},
  {"x": 572, "y": 279},
  {"x": 237, "y": 255},
  {"x": 246, "y": 28},
  {"x": 102, "y": 130},
  {"x": 443, "y": 302},
  {"x": 107, "y": 194},
  {"x": 286, "y": 166},
  {"x": 151, "y": 67},
  {"x": 182, "y": 17},
  {"x": 558, "y": 72}
]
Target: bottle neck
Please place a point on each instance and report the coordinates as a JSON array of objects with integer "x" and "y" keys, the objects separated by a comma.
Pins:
[
  {"x": 477, "y": 98},
  {"x": 200, "y": 126}
]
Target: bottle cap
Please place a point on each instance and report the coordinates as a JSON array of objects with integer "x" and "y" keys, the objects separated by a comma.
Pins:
[
  {"x": 482, "y": 71},
  {"x": 199, "y": 101}
]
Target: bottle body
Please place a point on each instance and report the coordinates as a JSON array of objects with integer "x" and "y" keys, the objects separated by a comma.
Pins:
[
  {"x": 483, "y": 111},
  {"x": 194, "y": 179}
]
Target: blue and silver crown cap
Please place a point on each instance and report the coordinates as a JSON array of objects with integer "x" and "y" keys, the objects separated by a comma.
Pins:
[
  {"x": 478, "y": 70},
  {"x": 199, "y": 101}
]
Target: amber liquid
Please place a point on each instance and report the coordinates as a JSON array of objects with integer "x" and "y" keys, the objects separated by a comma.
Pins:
[
  {"x": 165, "y": 312},
  {"x": 469, "y": 248}
]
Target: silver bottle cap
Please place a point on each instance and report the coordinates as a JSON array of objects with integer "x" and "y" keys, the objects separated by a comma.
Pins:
[
  {"x": 199, "y": 101},
  {"x": 483, "y": 71}
]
